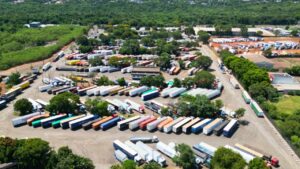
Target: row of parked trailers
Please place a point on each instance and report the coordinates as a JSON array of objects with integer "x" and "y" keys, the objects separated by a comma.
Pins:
[{"x": 253, "y": 104}]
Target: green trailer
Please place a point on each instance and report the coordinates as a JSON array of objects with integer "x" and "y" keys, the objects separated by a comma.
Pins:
[
  {"x": 56, "y": 123},
  {"x": 246, "y": 97},
  {"x": 36, "y": 123},
  {"x": 255, "y": 107}
]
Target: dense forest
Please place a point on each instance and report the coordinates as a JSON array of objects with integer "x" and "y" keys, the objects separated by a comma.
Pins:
[{"x": 148, "y": 13}]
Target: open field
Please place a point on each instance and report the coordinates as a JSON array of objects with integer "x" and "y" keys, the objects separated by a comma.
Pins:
[
  {"x": 288, "y": 104},
  {"x": 29, "y": 45}
]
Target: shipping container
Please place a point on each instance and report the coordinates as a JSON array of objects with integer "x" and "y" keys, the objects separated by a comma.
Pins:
[
  {"x": 168, "y": 127},
  {"x": 118, "y": 145},
  {"x": 197, "y": 128},
  {"x": 166, "y": 149},
  {"x": 88, "y": 125},
  {"x": 246, "y": 96},
  {"x": 219, "y": 130},
  {"x": 79, "y": 122},
  {"x": 110, "y": 123},
  {"x": 124, "y": 124},
  {"x": 164, "y": 123},
  {"x": 48, "y": 121},
  {"x": 143, "y": 124},
  {"x": 178, "y": 127},
  {"x": 23, "y": 119},
  {"x": 187, "y": 127},
  {"x": 137, "y": 91},
  {"x": 115, "y": 91},
  {"x": 209, "y": 128},
  {"x": 135, "y": 124},
  {"x": 247, "y": 157},
  {"x": 153, "y": 125},
  {"x": 230, "y": 128},
  {"x": 256, "y": 108},
  {"x": 150, "y": 95}
]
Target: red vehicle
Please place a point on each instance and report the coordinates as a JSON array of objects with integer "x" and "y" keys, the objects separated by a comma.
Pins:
[{"x": 143, "y": 124}]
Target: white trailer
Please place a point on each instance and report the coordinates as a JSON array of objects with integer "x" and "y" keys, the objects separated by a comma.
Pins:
[
  {"x": 138, "y": 90},
  {"x": 157, "y": 157},
  {"x": 131, "y": 154},
  {"x": 104, "y": 69},
  {"x": 120, "y": 156},
  {"x": 247, "y": 157},
  {"x": 45, "y": 88},
  {"x": 97, "y": 90},
  {"x": 46, "y": 66},
  {"x": 135, "y": 106},
  {"x": 135, "y": 124},
  {"x": 36, "y": 106},
  {"x": 106, "y": 91},
  {"x": 125, "y": 123},
  {"x": 23, "y": 119},
  {"x": 141, "y": 152},
  {"x": 168, "y": 127},
  {"x": 167, "y": 91},
  {"x": 166, "y": 149},
  {"x": 90, "y": 92},
  {"x": 42, "y": 102},
  {"x": 186, "y": 127},
  {"x": 122, "y": 106},
  {"x": 177, "y": 92},
  {"x": 151, "y": 126},
  {"x": 177, "y": 127},
  {"x": 209, "y": 128}
]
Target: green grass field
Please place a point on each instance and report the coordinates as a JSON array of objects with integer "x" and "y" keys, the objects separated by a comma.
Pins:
[
  {"x": 288, "y": 104},
  {"x": 28, "y": 45}
]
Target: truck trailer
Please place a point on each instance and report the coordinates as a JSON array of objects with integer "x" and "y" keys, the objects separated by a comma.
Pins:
[
  {"x": 209, "y": 128},
  {"x": 124, "y": 124},
  {"x": 23, "y": 119}
]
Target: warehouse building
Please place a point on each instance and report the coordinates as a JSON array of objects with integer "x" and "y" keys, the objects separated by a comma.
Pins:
[{"x": 139, "y": 72}]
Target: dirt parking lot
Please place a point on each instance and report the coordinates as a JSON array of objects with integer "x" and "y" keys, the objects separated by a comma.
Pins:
[{"x": 97, "y": 145}]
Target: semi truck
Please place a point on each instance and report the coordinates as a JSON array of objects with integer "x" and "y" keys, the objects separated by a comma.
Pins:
[
  {"x": 197, "y": 128},
  {"x": 38, "y": 117},
  {"x": 230, "y": 128},
  {"x": 144, "y": 155},
  {"x": 135, "y": 124},
  {"x": 45, "y": 88},
  {"x": 56, "y": 123},
  {"x": 82, "y": 92},
  {"x": 97, "y": 124},
  {"x": 209, "y": 128},
  {"x": 205, "y": 148},
  {"x": 120, "y": 156},
  {"x": 46, "y": 66},
  {"x": 23, "y": 119},
  {"x": 167, "y": 91},
  {"x": 177, "y": 92},
  {"x": 153, "y": 139},
  {"x": 135, "y": 106},
  {"x": 247, "y": 157}
]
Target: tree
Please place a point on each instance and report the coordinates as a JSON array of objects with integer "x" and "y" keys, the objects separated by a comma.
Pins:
[
  {"x": 185, "y": 157},
  {"x": 204, "y": 79},
  {"x": 97, "y": 107},
  {"x": 203, "y": 36},
  {"x": 294, "y": 33},
  {"x": 23, "y": 106},
  {"x": 64, "y": 103},
  {"x": 203, "y": 62},
  {"x": 158, "y": 81},
  {"x": 257, "y": 163},
  {"x": 130, "y": 47},
  {"x": 152, "y": 165},
  {"x": 225, "y": 158},
  {"x": 14, "y": 79},
  {"x": 165, "y": 111},
  {"x": 82, "y": 40},
  {"x": 116, "y": 166},
  {"x": 177, "y": 82},
  {"x": 97, "y": 61},
  {"x": 121, "y": 81},
  {"x": 129, "y": 164},
  {"x": 164, "y": 61},
  {"x": 85, "y": 49},
  {"x": 255, "y": 76},
  {"x": 189, "y": 31},
  {"x": 294, "y": 70},
  {"x": 187, "y": 82},
  {"x": 219, "y": 104},
  {"x": 7, "y": 148},
  {"x": 244, "y": 31},
  {"x": 240, "y": 112},
  {"x": 103, "y": 81},
  {"x": 263, "y": 91},
  {"x": 147, "y": 41},
  {"x": 32, "y": 153}
]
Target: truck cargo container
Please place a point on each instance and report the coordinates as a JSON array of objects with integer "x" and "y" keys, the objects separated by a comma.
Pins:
[
  {"x": 23, "y": 119},
  {"x": 256, "y": 108},
  {"x": 88, "y": 125},
  {"x": 143, "y": 124},
  {"x": 247, "y": 157},
  {"x": 64, "y": 68},
  {"x": 120, "y": 156},
  {"x": 36, "y": 106},
  {"x": 161, "y": 125},
  {"x": 153, "y": 125},
  {"x": 38, "y": 117},
  {"x": 167, "y": 91},
  {"x": 97, "y": 90},
  {"x": 168, "y": 128},
  {"x": 165, "y": 149},
  {"x": 2, "y": 104},
  {"x": 11, "y": 94},
  {"x": 219, "y": 130},
  {"x": 135, "y": 106},
  {"x": 153, "y": 139},
  {"x": 177, "y": 92},
  {"x": 176, "y": 71},
  {"x": 200, "y": 154},
  {"x": 137, "y": 91},
  {"x": 113, "y": 69},
  {"x": 178, "y": 127},
  {"x": 124, "y": 124},
  {"x": 187, "y": 127},
  {"x": 97, "y": 124},
  {"x": 46, "y": 66},
  {"x": 54, "y": 90},
  {"x": 118, "y": 145},
  {"x": 42, "y": 103},
  {"x": 121, "y": 92},
  {"x": 144, "y": 155},
  {"x": 157, "y": 157},
  {"x": 246, "y": 96},
  {"x": 106, "y": 91},
  {"x": 82, "y": 92},
  {"x": 205, "y": 148},
  {"x": 230, "y": 128},
  {"x": 115, "y": 91},
  {"x": 45, "y": 88},
  {"x": 135, "y": 124},
  {"x": 122, "y": 106},
  {"x": 197, "y": 128},
  {"x": 150, "y": 95},
  {"x": 70, "y": 89},
  {"x": 56, "y": 123},
  {"x": 104, "y": 69},
  {"x": 36, "y": 123},
  {"x": 79, "y": 122},
  {"x": 191, "y": 71},
  {"x": 110, "y": 123},
  {"x": 209, "y": 128},
  {"x": 23, "y": 85},
  {"x": 91, "y": 91},
  {"x": 234, "y": 82},
  {"x": 48, "y": 121}
]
